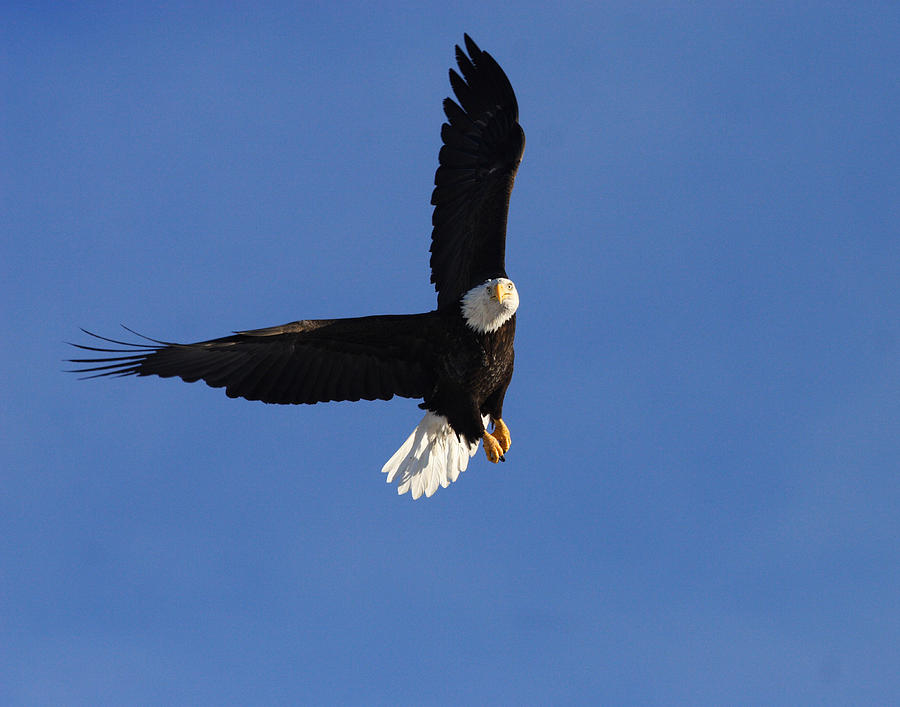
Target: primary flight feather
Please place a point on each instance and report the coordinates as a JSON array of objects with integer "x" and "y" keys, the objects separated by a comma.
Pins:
[{"x": 457, "y": 358}]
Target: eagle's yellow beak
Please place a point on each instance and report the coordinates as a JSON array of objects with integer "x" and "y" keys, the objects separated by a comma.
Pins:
[{"x": 499, "y": 292}]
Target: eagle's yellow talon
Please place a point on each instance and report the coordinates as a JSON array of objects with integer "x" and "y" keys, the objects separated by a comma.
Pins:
[
  {"x": 492, "y": 448},
  {"x": 501, "y": 434}
]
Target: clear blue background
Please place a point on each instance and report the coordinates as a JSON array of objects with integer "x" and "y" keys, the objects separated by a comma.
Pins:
[{"x": 702, "y": 500}]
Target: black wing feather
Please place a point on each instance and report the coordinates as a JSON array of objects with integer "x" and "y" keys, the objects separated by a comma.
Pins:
[
  {"x": 307, "y": 361},
  {"x": 483, "y": 145}
]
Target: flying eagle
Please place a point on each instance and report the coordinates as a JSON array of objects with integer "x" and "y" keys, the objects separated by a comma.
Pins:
[{"x": 457, "y": 358}]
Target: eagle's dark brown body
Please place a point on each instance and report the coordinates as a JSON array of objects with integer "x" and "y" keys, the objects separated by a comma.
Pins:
[{"x": 472, "y": 377}]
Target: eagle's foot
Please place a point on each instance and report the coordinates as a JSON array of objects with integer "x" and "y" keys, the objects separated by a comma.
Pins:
[
  {"x": 492, "y": 448},
  {"x": 501, "y": 434}
]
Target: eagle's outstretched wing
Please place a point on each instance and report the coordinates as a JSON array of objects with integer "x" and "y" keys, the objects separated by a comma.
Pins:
[
  {"x": 482, "y": 148},
  {"x": 307, "y": 361}
]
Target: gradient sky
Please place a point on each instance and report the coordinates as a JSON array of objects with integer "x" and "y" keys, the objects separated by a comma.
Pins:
[{"x": 702, "y": 500}]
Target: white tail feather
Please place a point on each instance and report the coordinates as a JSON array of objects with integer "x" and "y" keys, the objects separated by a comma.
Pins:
[{"x": 431, "y": 456}]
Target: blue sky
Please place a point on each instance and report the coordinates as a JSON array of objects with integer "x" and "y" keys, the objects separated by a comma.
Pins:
[{"x": 701, "y": 501}]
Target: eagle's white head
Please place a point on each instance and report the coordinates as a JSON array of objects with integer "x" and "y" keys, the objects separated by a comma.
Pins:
[{"x": 488, "y": 306}]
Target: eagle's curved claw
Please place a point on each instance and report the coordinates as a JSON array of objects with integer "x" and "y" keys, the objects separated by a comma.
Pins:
[{"x": 492, "y": 448}]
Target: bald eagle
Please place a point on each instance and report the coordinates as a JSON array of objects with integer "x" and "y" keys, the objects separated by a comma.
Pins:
[{"x": 458, "y": 358}]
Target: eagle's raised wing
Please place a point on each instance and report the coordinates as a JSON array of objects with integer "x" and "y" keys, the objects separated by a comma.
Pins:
[
  {"x": 307, "y": 361},
  {"x": 482, "y": 148}
]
